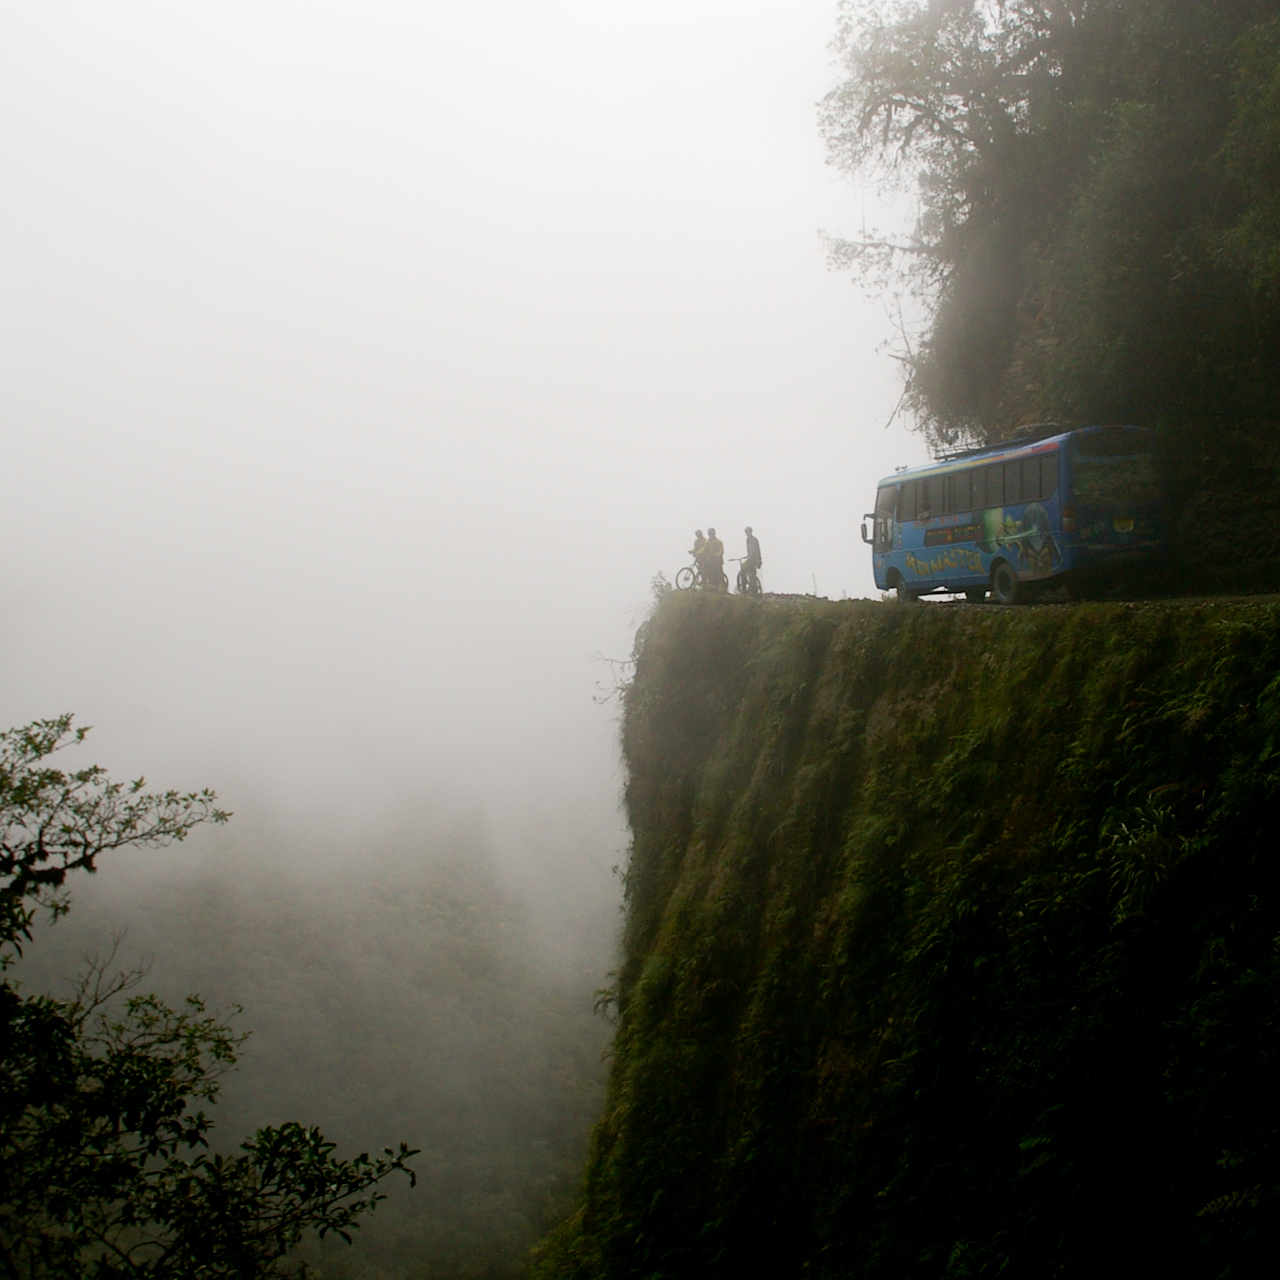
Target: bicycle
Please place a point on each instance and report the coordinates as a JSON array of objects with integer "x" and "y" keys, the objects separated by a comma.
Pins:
[
  {"x": 690, "y": 578},
  {"x": 748, "y": 578}
]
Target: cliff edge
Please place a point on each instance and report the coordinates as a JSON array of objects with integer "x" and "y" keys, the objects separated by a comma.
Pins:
[{"x": 952, "y": 945}]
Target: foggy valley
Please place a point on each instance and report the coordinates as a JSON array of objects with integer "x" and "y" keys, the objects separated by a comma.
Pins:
[
  {"x": 366, "y": 370},
  {"x": 401, "y": 994},
  {"x": 361, "y": 365}
]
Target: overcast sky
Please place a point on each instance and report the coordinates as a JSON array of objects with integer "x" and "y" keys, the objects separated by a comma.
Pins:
[{"x": 362, "y": 362}]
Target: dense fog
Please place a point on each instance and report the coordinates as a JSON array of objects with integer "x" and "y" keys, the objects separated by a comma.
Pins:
[
  {"x": 362, "y": 364},
  {"x": 398, "y": 992}
]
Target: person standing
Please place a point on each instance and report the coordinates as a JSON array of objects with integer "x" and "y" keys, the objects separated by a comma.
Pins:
[
  {"x": 698, "y": 550},
  {"x": 713, "y": 562},
  {"x": 753, "y": 561}
]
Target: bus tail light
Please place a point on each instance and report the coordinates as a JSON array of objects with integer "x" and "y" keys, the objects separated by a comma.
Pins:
[{"x": 1069, "y": 517}]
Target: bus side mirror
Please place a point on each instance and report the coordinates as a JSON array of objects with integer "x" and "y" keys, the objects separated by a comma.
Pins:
[{"x": 865, "y": 518}]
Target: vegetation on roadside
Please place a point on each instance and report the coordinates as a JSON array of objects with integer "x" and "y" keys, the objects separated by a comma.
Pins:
[
  {"x": 1098, "y": 237},
  {"x": 952, "y": 946}
]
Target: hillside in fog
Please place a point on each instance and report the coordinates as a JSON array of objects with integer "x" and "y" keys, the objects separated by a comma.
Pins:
[{"x": 402, "y": 994}]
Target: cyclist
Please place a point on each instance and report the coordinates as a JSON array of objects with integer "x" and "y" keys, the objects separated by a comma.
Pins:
[
  {"x": 753, "y": 561},
  {"x": 713, "y": 562}
]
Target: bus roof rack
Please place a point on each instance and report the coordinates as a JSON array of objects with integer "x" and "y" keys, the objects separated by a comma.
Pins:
[{"x": 1027, "y": 434}]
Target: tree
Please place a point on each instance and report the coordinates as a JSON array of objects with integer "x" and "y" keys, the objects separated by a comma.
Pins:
[
  {"x": 1096, "y": 183},
  {"x": 104, "y": 1165},
  {"x": 947, "y": 96},
  {"x": 1252, "y": 155}
]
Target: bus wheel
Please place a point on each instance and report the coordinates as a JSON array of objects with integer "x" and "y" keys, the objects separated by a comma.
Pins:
[
  {"x": 1004, "y": 584},
  {"x": 975, "y": 595},
  {"x": 906, "y": 594}
]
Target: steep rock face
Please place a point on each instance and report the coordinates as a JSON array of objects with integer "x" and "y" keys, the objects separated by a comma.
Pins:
[{"x": 951, "y": 945}]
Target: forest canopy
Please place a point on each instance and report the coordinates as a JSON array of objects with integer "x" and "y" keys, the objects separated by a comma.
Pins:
[{"x": 1098, "y": 230}]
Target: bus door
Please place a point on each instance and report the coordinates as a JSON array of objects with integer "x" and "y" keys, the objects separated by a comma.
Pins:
[
  {"x": 883, "y": 532},
  {"x": 967, "y": 533},
  {"x": 937, "y": 511},
  {"x": 883, "y": 528},
  {"x": 887, "y": 499}
]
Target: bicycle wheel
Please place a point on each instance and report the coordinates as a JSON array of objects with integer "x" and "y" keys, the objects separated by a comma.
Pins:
[{"x": 685, "y": 578}]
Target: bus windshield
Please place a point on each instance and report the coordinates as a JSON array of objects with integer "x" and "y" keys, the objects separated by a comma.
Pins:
[{"x": 1115, "y": 467}]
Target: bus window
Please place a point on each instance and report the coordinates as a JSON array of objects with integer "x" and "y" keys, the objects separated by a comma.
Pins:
[
  {"x": 962, "y": 491},
  {"x": 978, "y": 481},
  {"x": 1115, "y": 466},
  {"x": 909, "y": 505},
  {"x": 1031, "y": 491},
  {"x": 1048, "y": 474},
  {"x": 1012, "y": 483},
  {"x": 995, "y": 485},
  {"x": 887, "y": 498},
  {"x": 934, "y": 505}
]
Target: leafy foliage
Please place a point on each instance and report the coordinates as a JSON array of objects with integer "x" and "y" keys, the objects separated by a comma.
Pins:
[
  {"x": 96, "y": 1134},
  {"x": 953, "y": 946},
  {"x": 1098, "y": 234},
  {"x": 53, "y": 822},
  {"x": 1251, "y": 153}
]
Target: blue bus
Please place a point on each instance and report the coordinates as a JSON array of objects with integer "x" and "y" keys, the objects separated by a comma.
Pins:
[{"x": 1019, "y": 518}]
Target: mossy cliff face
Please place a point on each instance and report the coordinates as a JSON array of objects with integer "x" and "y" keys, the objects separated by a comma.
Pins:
[{"x": 951, "y": 945}]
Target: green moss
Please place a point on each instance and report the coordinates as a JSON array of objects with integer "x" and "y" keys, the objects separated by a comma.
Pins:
[{"x": 951, "y": 945}]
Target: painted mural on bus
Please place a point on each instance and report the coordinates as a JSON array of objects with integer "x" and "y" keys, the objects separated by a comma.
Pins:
[{"x": 1020, "y": 520}]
